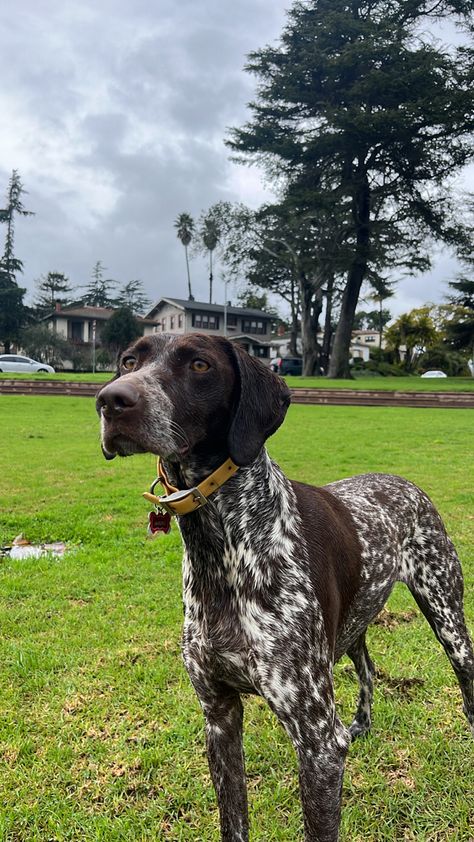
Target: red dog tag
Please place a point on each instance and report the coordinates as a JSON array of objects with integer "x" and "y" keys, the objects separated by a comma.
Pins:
[{"x": 159, "y": 522}]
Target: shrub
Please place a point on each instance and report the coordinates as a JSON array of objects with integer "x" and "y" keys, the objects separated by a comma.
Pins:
[{"x": 440, "y": 357}]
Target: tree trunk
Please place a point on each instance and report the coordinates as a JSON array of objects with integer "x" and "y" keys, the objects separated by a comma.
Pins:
[
  {"x": 326, "y": 348},
  {"x": 293, "y": 348},
  {"x": 210, "y": 276},
  {"x": 190, "y": 295},
  {"x": 311, "y": 307},
  {"x": 339, "y": 365},
  {"x": 380, "y": 323},
  {"x": 293, "y": 344}
]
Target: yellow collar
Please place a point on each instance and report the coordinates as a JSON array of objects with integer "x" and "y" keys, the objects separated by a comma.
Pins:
[{"x": 190, "y": 499}]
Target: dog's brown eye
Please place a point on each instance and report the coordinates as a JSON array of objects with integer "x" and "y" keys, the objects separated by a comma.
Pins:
[
  {"x": 200, "y": 366},
  {"x": 129, "y": 363}
]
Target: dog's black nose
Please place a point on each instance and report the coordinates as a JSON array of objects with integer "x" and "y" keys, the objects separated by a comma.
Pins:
[{"x": 117, "y": 397}]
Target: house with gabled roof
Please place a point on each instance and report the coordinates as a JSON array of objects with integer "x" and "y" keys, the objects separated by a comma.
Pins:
[
  {"x": 77, "y": 323},
  {"x": 248, "y": 327}
]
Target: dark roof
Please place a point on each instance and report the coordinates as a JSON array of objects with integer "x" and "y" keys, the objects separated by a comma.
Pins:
[
  {"x": 84, "y": 311},
  {"x": 87, "y": 312},
  {"x": 248, "y": 337},
  {"x": 185, "y": 304}
]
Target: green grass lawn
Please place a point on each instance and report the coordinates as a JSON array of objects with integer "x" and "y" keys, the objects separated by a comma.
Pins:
[
  {"x": 101, "y": 737},
  {"x": 400, "y": 384}
]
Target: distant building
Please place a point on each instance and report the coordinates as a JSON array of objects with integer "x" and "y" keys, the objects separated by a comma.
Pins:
[
  {"x": 361, "y": 343},
  {"x": 368, "y": 338},
  {"x": 251, "y": 329},
  {"x": 81, "y": 326},
  {"x": 76, "y": 323}
]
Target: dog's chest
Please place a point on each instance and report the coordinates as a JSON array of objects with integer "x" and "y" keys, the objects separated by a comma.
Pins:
[
  {"x": 240, "y": 608},
  {"x": 216, "y": 643},
  {"x": 220, "y": 633}
]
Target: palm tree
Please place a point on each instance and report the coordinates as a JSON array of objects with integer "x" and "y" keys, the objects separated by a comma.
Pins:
[
  {"x": 382, "y": 291},
  {"x": 415, "y": 332},
  {"x": 210, "y": 238},
  {"x": 185, "y": 227}
]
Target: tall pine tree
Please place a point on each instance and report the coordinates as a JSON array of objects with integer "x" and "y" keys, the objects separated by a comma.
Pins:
[
  {"x": 98, "y": 292},
  {"x": 358, "y": 111},
  {"x": 50, "y": 288},
  {"x": 13, "y": 313}
]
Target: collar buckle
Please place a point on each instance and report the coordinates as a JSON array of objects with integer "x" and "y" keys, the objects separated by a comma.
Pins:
[
  {"x": 188, "y": 500},
  {"x": 197, "y": 497}
]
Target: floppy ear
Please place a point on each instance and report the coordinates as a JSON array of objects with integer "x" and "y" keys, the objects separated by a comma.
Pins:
[{"x": 261, "y": 408}]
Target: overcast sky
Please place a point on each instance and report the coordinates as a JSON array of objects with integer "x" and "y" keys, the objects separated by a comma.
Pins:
[{"x": 115, "y": 113}]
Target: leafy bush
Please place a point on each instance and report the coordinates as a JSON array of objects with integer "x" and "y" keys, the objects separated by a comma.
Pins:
[
  {"x": 441, "y": 357},
  {"x": 380, "y": 368},
  {"x": 42, "y": 344}
]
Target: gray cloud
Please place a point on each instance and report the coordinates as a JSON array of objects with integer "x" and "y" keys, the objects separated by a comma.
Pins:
[{"x": 115, "y": 115}]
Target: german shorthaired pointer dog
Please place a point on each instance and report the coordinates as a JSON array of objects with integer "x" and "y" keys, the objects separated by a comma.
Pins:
[{"x": 280, "y": 579}]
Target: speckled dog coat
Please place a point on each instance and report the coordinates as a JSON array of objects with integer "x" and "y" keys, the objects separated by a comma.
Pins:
[{"x": 279, "y": 578}]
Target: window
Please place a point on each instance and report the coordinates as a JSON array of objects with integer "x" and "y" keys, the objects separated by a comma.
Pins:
[
  {"x": 261, "y": 351},
  {"x": 254, "y": 326},
  {"x": 75, "y": 331},
  {"x": 171, "y": 322},
  {"x": 205, "y": 321},
  {"x": 163, "y": 323},
  {"x": 231, "y": 320},
  {"x": 180, "y": 320},
  {"x": 370, "y": 338}
]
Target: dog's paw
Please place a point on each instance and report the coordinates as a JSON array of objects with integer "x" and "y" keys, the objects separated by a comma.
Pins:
[{"x": 359, "y": 729}]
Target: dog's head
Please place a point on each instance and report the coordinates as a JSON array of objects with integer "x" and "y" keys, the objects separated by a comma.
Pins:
[{"x": 176, "y": 396}]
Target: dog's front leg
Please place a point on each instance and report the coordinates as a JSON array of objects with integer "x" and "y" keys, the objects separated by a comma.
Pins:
[
  {"x": 223, "y": 713},
  {"x": 224, "y": 717},
  {"x": 306, "y": 710},
  {"x": 321, "y": 769}
]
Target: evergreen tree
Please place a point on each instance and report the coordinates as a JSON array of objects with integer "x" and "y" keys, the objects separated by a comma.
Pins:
[
  {"x": 51, "y": 288},
  {"x": 459, "y": 324},
  {"x": 120, "y": 330},
  {"x": 98, "y": 292},
  {"x": 132, "y": 295},
  {"x": 359, "y": 112},
  {"x": 14, "y": 207},
  {"x": 13, "y": 313},
  {"x": 251, "y": 300}
]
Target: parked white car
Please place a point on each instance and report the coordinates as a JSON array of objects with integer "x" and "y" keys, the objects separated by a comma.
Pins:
[
  {"x": 23, "y": 365},
  {"x": 434, "y": 373}
]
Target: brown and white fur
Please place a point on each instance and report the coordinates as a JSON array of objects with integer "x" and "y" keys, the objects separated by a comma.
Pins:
[{"x": 280, "y": 579}]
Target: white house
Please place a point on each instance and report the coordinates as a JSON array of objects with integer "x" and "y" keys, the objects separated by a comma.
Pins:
[
  {"x": 78, "y": 322},
  {"x": 361, "y": 343},
  {"x": 250, "y": 328}
]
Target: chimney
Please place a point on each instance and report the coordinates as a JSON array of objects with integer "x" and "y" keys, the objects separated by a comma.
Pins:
[{"x": 57, "y": 305}]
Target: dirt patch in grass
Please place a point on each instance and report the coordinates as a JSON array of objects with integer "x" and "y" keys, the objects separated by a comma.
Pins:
[
  {"x": 392, "y": 619},
  {"x": 397, "y": 685}
]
